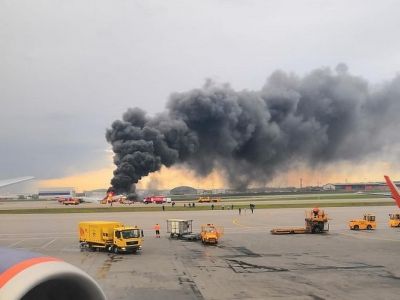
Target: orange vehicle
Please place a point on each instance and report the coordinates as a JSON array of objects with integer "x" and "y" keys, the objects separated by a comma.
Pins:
[
  {"x": 209, "y": 199},
  {"x": 210, "y": 234},
  {"x": 394, "y": 220},
  {"x": 71, "y": 201},
  {"x": 368, "y": 222},
  {"x": 316, "y": 221}
]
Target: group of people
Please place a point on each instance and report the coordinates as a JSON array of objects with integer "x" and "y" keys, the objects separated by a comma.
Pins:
[
  {"x": 192, "y": 204},
  {"x": 251, "y": 206}
]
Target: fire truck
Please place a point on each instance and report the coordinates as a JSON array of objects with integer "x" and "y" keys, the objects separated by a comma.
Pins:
[{"x": 156, "y": 200}]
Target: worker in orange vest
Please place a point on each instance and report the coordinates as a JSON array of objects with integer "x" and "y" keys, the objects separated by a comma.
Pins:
[{"x": 157, "y": 229}]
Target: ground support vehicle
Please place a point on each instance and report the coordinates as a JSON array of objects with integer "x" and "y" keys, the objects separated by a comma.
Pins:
[
  {"x": 208, "y": 199},
  {"x": 368, "y": 222},
  {"x": 181, "y": 229},
  {"x": 71, "y": 201},
  {"x": 210, "y": 234},
  {"x": 316, "y": 221},
  {"x": 111, "y": 236},
  {"x": 156, "y": 200},
  {"x": 394, "y": 220}
]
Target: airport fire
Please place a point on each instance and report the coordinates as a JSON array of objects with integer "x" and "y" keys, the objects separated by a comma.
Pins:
[{"x": 323, "y": 117}]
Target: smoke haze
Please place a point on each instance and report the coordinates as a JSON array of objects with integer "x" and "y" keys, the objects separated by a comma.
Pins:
[{"x": 323, "y": 117}]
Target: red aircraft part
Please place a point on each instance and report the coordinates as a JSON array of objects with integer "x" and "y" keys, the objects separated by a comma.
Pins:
[{"x": 393, "y": 190}]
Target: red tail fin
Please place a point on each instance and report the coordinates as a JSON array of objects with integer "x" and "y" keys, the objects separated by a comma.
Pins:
[{"x": 393, "y": 190}]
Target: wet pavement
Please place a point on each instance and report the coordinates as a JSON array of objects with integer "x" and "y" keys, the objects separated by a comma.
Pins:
[{"x": 248, "y": 263}]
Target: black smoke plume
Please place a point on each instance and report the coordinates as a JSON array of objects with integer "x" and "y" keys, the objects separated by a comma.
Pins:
[{"x": 323, "y": 117}]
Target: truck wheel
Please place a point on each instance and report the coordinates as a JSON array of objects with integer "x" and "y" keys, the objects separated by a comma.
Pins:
[
  {"x": 369, "y": 227},
  {"x": 90, "y": 247},
  {"x": 316, "y": 229},
  {"x": 116, "y": 250},
  {"x": 356, "y": 227}
]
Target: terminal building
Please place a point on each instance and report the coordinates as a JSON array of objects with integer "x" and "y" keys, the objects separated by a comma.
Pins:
[
  {"x": 49, "y": 193},
  {"x": 358, "y": 186}
]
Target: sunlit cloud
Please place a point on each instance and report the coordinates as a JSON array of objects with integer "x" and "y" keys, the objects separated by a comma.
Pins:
[{"x": 168, "y": 178}]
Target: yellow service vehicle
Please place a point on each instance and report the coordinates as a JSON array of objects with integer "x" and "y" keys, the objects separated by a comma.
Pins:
[
  {"x": 209, "y": 199},
  {"x": 111, "y": 236},
  {"x": 210, "y": 233},
  {"x": 367, "y": 222},
  {"x": 316, "y": 221},
  {"x": 394, "y": 220}
]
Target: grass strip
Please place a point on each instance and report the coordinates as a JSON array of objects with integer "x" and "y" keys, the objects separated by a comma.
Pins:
[{"x": 181, "y": 208}]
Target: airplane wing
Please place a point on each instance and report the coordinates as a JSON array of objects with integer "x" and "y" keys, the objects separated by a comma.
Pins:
[{"x": 5, "y": 182}]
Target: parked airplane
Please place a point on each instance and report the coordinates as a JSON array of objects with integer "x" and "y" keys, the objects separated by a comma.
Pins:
[
  {"x": 110, "y": 197},
  {"x": 393, "y": 190}
]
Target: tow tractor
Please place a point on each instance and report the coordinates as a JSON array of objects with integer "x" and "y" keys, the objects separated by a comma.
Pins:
[
  {"x": 210, "y": 233},
  {"x": 316, "y": 221},
  {"x": 394, "y": 220},
  {"x": 368, "y": 222}
]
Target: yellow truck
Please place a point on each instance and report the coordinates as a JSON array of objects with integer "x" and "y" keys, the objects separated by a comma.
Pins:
[
  {"x": 368, "y": 222},
  {"x": 210, "y": 234},
  {"x": 111, "y": 236},
  {"x": 394, "y": 220},
  {"x": 208, "y": 199}
]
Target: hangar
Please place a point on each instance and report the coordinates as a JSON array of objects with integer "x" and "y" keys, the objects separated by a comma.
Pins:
[{"x": 183, "y": 190}]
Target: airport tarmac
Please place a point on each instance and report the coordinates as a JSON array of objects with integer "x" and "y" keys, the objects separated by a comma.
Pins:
[{"x": 248, "y": 263}]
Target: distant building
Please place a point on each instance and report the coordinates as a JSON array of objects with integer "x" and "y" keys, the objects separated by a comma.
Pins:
[
  {"x": 48, "y": 193},
  {"x": 361, "y": 186},
  {"x": 183, "y": 190},
  {"x": 328, "y": 187}
]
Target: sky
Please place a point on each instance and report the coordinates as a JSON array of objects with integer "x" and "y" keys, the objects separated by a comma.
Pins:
[{"x": 68, "y": 69}]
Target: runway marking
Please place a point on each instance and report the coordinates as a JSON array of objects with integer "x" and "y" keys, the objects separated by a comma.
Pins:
[
  {"x": 357, "y": 236},
  {"x": 48, "y": 244},
  {"x": 236, "y": 222},
  {"x": 37, "y": 238},
  {"x": 35, "y": 233},
  {"x": 16, "y": 243}
]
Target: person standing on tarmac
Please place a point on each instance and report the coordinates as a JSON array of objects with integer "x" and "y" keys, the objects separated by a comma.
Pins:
[
  {"x": 252, "y": 206},
  {"x": 157, "y": 229}
]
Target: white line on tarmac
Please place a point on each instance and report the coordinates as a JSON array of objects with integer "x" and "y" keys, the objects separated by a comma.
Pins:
[
  {"x": 357, "y": 236},
  {"x": 36, "y": 233},
  {"x": 48, "y": 244},
  {"x": 16, "y": 243},
  {"x": 38, "y": 238}
]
